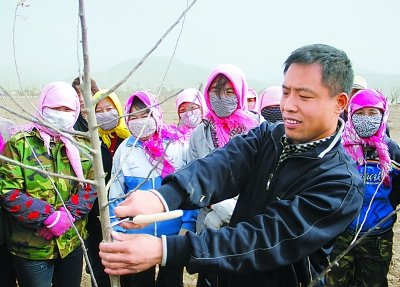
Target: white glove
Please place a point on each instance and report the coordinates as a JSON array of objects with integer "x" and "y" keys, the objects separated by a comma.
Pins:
[
  {"x": 224, "y": 209},
  {"x": 213, "y": 221}
]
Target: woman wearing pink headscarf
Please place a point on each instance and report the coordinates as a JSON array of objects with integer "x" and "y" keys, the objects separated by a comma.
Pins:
[
  {"x": 378, "y": 160},
  {"x": 44, "y": 246},
  {"x": 151, "y": 153},
  {"x": 225, "y": 96},
  {"x": 270, "y": 101},
  {"x": 190, "y": 109},
  {"x": 252, "y": 105},
  {"x": 252, "y": 100}
]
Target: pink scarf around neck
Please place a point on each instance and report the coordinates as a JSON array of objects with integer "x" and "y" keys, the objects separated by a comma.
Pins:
[
  {"x": 240, "y": 117},
  {"x": 354, "y": 144}
]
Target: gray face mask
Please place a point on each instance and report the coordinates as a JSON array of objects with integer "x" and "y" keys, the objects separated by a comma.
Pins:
[
  {"x": 107, "y": 120},
  {"x": 272, "y": 114},
  {"x": 223, "y": 106},
  {"x": 366, "y": 126}
]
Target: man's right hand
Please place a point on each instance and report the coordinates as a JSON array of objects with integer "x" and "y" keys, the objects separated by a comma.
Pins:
[{"x": 139, "y": 202}]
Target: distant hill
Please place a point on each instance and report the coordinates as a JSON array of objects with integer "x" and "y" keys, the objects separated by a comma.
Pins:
[
  {"x": 30, "y": 79},
  {"x": 149, "y": 76}
]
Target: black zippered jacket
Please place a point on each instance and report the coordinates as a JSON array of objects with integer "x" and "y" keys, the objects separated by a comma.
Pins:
[{"x": 286, "y": 218}]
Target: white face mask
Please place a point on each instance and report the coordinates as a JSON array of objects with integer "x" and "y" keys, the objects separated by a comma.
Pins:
[
  {"x": 191, "y": 118},
  {"x": 60, "y": 120},
  {"x": 135, "y": 126}
]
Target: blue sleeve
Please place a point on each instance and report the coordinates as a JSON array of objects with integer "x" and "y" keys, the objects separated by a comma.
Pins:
[{"x": 189, "y": 219}]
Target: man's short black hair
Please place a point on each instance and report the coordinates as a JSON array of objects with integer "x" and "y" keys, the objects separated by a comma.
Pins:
[
  {"x": 94, "y": 88},
  {"x": 337, "y": 71}
]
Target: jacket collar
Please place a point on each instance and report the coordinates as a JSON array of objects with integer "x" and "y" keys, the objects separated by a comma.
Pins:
[{"x": 278, "y": 130}]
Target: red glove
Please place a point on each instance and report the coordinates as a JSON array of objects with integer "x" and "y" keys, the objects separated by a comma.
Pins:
[
  {"x": 58, "y": 222},
  {"x": 45, "y": 233}
]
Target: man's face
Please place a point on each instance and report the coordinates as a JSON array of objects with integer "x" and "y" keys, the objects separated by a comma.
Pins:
[{"x": 309, "y": 113}]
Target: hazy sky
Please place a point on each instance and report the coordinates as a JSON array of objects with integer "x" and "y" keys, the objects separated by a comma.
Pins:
[{"x": 256, "y": 35}]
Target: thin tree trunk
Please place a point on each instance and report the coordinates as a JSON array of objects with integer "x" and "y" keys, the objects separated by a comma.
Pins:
[{"x": 94, "y": 138}]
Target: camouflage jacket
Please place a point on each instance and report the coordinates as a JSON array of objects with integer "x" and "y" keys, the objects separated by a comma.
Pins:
[{"x": 28, "y": 196}]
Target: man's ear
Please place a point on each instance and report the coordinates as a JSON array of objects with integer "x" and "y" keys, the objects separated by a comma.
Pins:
[{"x": 341, "y": 102}]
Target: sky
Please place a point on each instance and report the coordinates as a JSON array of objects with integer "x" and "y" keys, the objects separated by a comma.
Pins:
[{"x": 255, "y": 35}]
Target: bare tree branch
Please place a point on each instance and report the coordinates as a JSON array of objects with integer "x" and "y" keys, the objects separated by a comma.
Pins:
[
  {"x": 116, "y": 86},
  {"x": 14, "y": 50},
  {"x": 351, "y": 246},
  {"x": 44, "y": 172}
]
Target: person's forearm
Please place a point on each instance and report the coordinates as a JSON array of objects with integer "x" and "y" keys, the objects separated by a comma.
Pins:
[
  {"x": 171, "y": 195},
  {"x": 176, "y": 250},
  {"x": 216, "y": 177},
  {"x": 82, "y": 202},
  {"x": 28, "y": 210},
  {"x": 258, "y": 245}
]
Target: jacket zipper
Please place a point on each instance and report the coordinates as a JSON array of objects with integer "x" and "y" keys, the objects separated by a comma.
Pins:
[{"x": 269, "y": 181}]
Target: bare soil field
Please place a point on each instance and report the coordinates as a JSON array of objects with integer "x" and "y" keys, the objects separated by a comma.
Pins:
[{"x": 170, "y": 116}]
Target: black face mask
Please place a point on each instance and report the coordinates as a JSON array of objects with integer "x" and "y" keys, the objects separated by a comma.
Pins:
[{"x": 272, "y": 114}]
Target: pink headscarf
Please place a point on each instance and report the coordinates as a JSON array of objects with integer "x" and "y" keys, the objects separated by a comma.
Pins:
[
  {"x": 353, "y": 143},
  {"x": 55, "y": 95},
  {"x": 2, "y": 143},
  {"x": 5, "y": 126},
  {"x": 194, "y": 96},
  {"x": 251, "y": 93},
  {"x": 270, "y": 97},
  {"x": 238, "y": 118},
  {"x": 154, "y": 147}
]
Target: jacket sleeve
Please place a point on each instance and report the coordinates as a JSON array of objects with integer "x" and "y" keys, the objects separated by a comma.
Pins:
[
  {"x": 282, "y": 233},
  {"x": 192, "y": 151},
  {"x": 220, "y": 175},
  {"x": 394, "y": 150},
  {"x": 286, "y": 232},
  {"x": 189, "y": 219},
  {"x": 28, "y": 210},
  {"x": 81, "y": 203}
]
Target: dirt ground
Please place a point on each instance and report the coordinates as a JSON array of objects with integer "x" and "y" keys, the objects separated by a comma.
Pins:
[{"x": 170, "y": 116}]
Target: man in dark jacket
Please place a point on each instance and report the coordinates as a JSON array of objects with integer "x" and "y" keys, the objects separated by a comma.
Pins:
[{"x": 298, "y": 190}]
